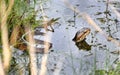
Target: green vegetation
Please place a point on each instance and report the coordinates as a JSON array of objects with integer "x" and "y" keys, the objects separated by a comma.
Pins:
[{"x": 21, "y": 16}]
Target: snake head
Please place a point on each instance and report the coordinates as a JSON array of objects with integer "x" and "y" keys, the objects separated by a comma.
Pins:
[{"x": 81, "y": 34}]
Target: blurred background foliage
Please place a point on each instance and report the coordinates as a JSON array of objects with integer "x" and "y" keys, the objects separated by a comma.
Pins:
[{"x": 22, "y": 14}]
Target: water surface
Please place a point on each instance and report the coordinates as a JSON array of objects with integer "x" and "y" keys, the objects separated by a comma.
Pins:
[{"x": 66, "y": 58}]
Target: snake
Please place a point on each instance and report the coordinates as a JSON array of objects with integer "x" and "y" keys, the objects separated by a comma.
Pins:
[{"x": 81, "y": 34}]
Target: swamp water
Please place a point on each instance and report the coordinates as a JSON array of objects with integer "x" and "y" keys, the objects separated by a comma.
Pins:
[{"x": 65, "y": 57}]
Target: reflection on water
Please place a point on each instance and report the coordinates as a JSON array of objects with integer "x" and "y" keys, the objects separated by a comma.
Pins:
[
  {"x": 69, "y": 58},
  {"x": 83, "y": 45}
]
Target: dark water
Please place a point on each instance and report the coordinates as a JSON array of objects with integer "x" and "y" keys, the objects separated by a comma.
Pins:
[{"x": 67, "y": 58}]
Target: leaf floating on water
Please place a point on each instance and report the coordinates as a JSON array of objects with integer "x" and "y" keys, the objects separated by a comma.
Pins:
[
  {"x": 66, "y": 28},
  {"x": 91, "y": 6},
  {"x": 115, "y": 4},
  {"x": 98, "y": 13},
  {"x": 77, "y": 4},
  {"x": 107, "y": 12},
  {"x": 70, "y": 21},
  {"x": 115, "y": 52},
  {"x": 53, "y": 20},
  {"x": 51, "y": 50},
  {"x": 102, "y": 20}
]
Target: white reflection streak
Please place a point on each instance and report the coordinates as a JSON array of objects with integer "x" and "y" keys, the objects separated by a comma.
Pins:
[{"x": 32, "y": 55}]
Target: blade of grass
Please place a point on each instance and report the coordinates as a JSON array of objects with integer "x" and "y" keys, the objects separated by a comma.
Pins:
[
  {"x": 43, "y": 70},
  {"x": 32, "y": 55},
  {"x": 4, "y": 32},
  {"x": 1, "y": 68}
]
